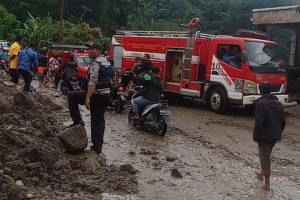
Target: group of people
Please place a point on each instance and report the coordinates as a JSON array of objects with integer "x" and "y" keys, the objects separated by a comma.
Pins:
[
  {"x": 269, "y": 114},
  {"x": 22, "y": 61}
]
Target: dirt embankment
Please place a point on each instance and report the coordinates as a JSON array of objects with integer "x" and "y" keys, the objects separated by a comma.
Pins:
[{"x": 33, "y": 163}]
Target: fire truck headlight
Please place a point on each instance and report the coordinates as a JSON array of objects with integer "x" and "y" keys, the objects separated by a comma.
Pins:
[{"x": 250, "y": 87}]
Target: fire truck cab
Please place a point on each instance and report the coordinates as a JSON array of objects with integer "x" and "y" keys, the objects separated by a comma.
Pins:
[
  {"x": 79, "y": 53},
  {"x": 218, "y": 70}
]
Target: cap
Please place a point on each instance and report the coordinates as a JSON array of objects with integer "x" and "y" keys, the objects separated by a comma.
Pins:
[{"x": 96, "y": 45}]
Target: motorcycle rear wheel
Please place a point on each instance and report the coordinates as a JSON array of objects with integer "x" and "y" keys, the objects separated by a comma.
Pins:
[
  {"x": 162, "y": 127},
  {"x": 130, "y": 117},
  {"x": 119, "y": 105}
]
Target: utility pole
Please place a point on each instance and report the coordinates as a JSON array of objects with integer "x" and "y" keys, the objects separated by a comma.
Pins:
[
  {"x": 62, "y": 7},
  {"x": 85, "y": 9}
]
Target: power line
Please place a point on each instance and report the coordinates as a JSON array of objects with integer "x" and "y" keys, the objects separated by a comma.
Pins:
[{"x": 85, "y": 10}]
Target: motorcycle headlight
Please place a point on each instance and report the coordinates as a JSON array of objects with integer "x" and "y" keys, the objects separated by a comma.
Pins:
[{"x": 250, "y": 87}]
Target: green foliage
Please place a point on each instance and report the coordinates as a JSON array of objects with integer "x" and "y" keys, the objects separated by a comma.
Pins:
[
  {"x": 39, "y": 31},
  {"x": 217, "y": 16},
  {"x": 7, "y": 23},
  {"x": 80, "y": 34}
]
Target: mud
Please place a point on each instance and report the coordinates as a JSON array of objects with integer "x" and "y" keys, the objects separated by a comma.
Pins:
[
  {"x": 34, "y": 164},
  {"x": 203, "y": 156},
  {"x": 214, "y": 154}
]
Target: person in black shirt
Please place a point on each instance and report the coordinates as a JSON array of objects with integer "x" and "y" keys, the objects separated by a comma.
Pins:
[
  {"x": 151, "y": 91},
  {"x": 95, "y": 97},
  {"x": 145, "y": 65},
  {"x": 269, "y": 125}
]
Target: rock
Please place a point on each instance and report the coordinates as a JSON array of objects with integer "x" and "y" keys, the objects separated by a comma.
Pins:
[
  {"x": 128, "y": 168},
  {"x": 5, "y": 106},
  {"x": 148, "y": 152},
  {"x": 91, "y": 164},
  {"x": 9, "y": 83},
  {"x": 24, "y": 100},
  {"x": 16, "y": 194},
  {"x": 34, "y": 155},
  {"x": 1, "y": 171},
  {"x": 132, "y": 153},
  {"x": 63, "y": 164},
  {"x": 88, "y": 161},
  {"x": 175, "y": 173},
  {"x": 74, "y": 139},
  {"x": 35, "y": 180},
  {"x": 8, "y": 171},
  {"x": 29, "y": 196},
  {"x": 75, "y": 163},
  {"x": 8, "y": 179},
  {"x": 154, "y": 158},
  {"x": 170, "y": 159},
  {"x": 48, "y": 100},
  {"x": 19, "y": 183}
]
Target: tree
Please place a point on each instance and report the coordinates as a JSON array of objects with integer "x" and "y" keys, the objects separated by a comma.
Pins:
[
  {"x": 39, "y": 31},
  {"x": 7, "y": 23}
]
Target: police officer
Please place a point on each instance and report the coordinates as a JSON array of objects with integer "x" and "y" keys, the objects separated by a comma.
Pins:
[{"x": 95, "y": 97}]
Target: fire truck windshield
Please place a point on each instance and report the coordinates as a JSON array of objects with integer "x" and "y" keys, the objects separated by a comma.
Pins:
[
  {"x": 83, "y": 60},
  {"x": 263, "y": 59}
]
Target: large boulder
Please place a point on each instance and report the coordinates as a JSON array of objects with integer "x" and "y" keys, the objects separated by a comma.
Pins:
[
  {"x": 24, "y": 100},
  {"x": 48, "y": 100},
  {"x": 74, "y": 139}
]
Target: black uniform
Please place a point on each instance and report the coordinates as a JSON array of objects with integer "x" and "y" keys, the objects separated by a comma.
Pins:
[{"x": 100, "y": 75}]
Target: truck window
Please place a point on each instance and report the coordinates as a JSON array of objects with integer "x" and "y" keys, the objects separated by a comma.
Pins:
[
  {"x": 118, "y": 54},
  {"x": 230, "y": 54},
  {"x": 83, "y": 60}
]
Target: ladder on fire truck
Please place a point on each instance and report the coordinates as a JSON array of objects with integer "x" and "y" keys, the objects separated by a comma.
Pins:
[{"x": 164, "y": 34}]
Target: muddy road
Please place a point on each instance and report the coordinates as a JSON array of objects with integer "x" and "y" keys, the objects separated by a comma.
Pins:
[{"x": 210, "y": 156}]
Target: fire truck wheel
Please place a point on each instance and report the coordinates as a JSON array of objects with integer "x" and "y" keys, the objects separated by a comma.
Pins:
[{"x": 218, "y": 101}]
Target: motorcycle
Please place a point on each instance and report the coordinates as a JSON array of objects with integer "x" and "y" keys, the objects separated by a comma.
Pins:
[
  {"x": 154, "y": 117},
  {"x": 117, "y": 99}
]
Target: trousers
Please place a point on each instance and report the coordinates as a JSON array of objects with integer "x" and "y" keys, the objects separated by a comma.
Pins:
[
  {"x": 265, "y": 151},
  {"x": 139, "y": 103},
  {"x": 14, "y": 75},
  {"x": 27, "y": 77},
  {"x": 98, "y": 107}
]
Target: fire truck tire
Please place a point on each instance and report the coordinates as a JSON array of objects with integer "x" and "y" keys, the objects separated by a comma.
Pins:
[{"x": 218, "y": 101}]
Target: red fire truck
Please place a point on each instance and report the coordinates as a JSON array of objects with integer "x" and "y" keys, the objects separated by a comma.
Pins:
[
  {"x": 80, "y": 54},
  {"x": 219, "y": 70}
]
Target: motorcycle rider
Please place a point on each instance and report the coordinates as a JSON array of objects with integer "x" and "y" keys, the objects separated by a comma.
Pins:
[
  {"x": 151, "y": 90},
  {"x": 145, "y": 65},
  {"x": 96, "y": 97}
]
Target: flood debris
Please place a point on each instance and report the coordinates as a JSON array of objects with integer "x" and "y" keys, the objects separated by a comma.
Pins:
[
  {"x": 176, "y": 174},
  {"x": 34, "y": 163},
  {"x": 128, "y": 168},
  {"x": 148, "y": 152},
  {"x": 170, "y": 158},
  {"x": 74, "y": 139}
]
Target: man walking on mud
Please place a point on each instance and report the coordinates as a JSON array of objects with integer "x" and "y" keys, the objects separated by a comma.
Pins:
[
  {"x": 269, "y": 125},
  {"x": 95, "y": 98}
]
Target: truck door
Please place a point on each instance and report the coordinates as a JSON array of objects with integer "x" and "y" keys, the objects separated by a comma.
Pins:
[{"x": 227, "y": 70}]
